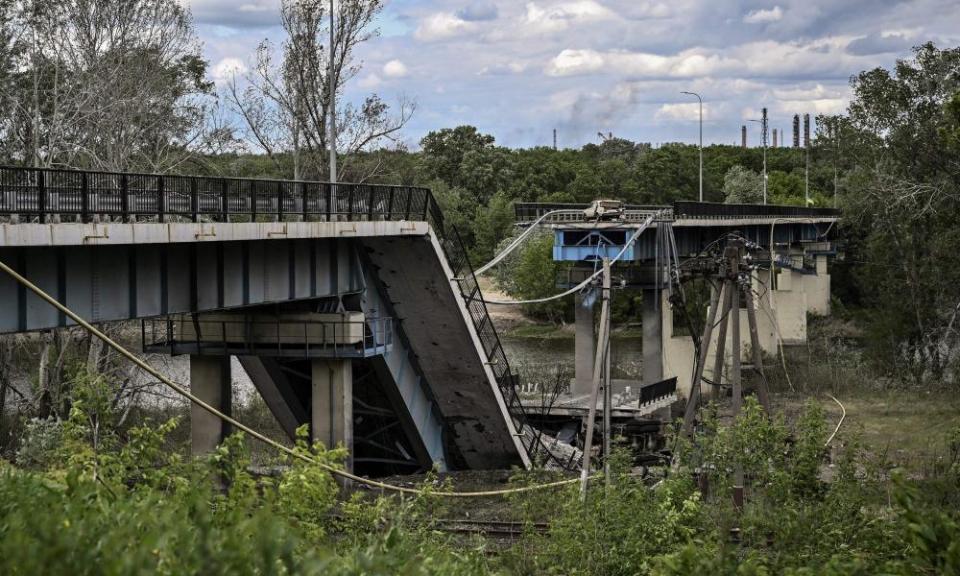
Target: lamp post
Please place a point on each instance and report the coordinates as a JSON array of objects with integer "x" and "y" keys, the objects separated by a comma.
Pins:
[
  {"x": 333, "y": 106},
  {"x": 699, "y": 99},
  {"x": 763, "y": 129}
]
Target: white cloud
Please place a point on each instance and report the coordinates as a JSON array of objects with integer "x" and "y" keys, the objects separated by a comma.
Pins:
[
  {"x": 816, "y": 92},
  {"x": 227, "y": 68},
  {"x": 560, "y": 16},
  {"x": 571, "y": 62},
  {"x": 774, "y": 14},
  {"x": 233, "y": 13},
  {"x": 369, "y": 81},
  {"x": 395, "y": 69},
  {"x": 770, "y": 59},
  {"x": 817, "y": 106},
  {"x": 689, "y": 63},
  {"x": 503, "y": 69},
  {"x": 685, "y": 111},
  {"x": 441, "y": 25}
]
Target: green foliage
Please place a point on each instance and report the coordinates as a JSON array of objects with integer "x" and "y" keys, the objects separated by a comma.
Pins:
[
  {"x": 742, "y": 186},
  {"x": 535, "y": 276},
  {"x": 901, "y": 198},
  {"x": 39, "y": 442},
  {"x": 307, "y": 492}
]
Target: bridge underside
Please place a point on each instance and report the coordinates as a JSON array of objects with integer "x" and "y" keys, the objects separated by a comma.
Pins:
[{"x": 417, "y": 391}]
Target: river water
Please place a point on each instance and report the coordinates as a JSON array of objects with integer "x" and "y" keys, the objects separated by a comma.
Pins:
[{"x": 539, "y": 360}]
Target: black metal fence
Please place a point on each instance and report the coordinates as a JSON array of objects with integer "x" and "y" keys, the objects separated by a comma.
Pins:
[
  {"x": 38, "y": 194},
  {"x": 658, "y": 391}
]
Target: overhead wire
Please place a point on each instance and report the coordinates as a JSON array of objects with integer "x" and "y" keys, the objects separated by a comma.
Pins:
[
  {"x": 182, "y": 391},
  {"x": 520, "y": 239},
  {"x": 640, "y": 229}
]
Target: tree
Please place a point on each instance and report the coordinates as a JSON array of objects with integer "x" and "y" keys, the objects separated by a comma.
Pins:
[
  {"x": 107, "y": 84},
  {"x": 286, "y": 105},
  {"x": 742, "y": 186},
  {"x": 902, "y": 196},
  {"x": 444, "y": 152},
  {"x": 785, "y": 188},
  {"x": 535, "y": 277}
]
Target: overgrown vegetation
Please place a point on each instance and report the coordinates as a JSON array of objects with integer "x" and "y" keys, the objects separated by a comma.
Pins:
[{"x": 105, "y": 504}]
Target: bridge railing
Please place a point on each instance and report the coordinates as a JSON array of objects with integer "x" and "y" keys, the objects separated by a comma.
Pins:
[
  {"x": 187, "y": 334},
  {"x": 35, "y": 194},
  {"x": 682, "y": 209}
]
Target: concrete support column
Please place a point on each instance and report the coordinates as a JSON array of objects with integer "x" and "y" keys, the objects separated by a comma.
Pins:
[
  {"x": 821, "y": 263},
  {"x": 211, "y": 382},
  {"x": 652, "y": 337},
  {"x": 332, "y": 404},
  {"x": 583, "y": 347}
]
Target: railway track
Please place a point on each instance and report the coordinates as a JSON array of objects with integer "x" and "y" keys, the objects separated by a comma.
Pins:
[{"x": 497, "y": 528}]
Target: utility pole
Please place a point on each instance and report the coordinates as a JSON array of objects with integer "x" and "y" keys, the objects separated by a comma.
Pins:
[
  {"x": 333, "y": 104},
  {"x": 763, "y": 137},
  {"x": 607, "y": 390},
  {"x": 554, "y": 138},
  {"x": 836, "y": 159},
  {"x": 603, "y": 349},
  {"x": 699, "y": 99},
  {"x": 764, "y": 128},
  {"x": 806, "y": 150}
]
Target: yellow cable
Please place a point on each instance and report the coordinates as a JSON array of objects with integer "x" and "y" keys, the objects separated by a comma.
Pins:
[
  {"x": 244, "y": 428},
  {"x": 843, "y": 415}
]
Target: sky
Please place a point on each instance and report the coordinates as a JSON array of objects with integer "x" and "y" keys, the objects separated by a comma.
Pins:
[{"x": 519, "y": 69}]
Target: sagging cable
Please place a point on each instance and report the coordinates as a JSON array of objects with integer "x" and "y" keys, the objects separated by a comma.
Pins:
[{"x": 182, "y": 391}]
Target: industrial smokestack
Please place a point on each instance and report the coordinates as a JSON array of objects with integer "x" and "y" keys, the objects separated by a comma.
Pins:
[
  {"x": 774, "y": 137},
  {"x": 806, "y": 130},
  {"x": 743, "y": 136},
  {"x": 796, "y": 130},
  {"x": 554, "y": 138}
]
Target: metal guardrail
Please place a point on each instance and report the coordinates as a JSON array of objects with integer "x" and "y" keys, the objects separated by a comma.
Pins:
[
  {"x": 526, "y": 212},
  {"x": 184, "y": 334},
  {"x": 658, "y": 391},
  {"x": 720, "y": 210},
  {"x": 35, "y": 194}
]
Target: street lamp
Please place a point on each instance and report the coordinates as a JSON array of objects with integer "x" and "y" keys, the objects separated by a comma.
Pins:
[
  {"x": 763, "y": 128},
  {"x": 333, "y": 106},
  {"x": 701, "y": 139}
]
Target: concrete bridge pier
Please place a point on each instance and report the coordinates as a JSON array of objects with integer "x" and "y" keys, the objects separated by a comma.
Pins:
[
  {"x": 210, "y": 381},
  {"x": 583, "y": 346},
  {"x": 332, "y": 404},
  {"x": 652, "y": 336}
]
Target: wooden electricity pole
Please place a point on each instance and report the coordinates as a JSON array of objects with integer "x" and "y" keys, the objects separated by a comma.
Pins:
[
  {"x": 728, "y": 296},
  {"x": 691, "y": 412}
]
